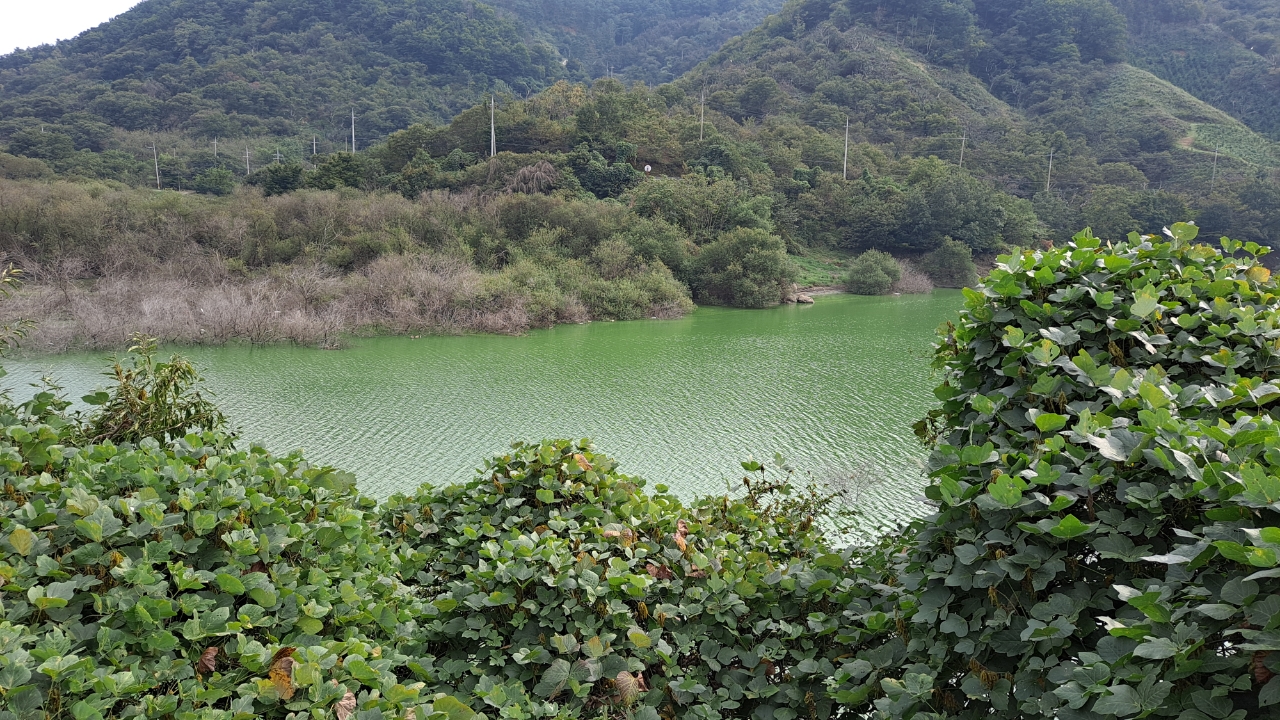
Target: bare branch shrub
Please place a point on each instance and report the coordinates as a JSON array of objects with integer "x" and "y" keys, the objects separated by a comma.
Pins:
[{"x": 912, "y": 281}]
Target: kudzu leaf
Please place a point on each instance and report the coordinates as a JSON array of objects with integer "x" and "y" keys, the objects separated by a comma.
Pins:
[
  {"x": 208, "y": 661},
  {"x": 1118, "y": 445},
  {"x": 1061, "y": 336},
  {"x": 22, "y": 540},
  {"x": 978, "y": 455},
  {"x": 628, "y": 687},
  {"x": 639, "y": 638},
  {"x": 230, "y": 584},
  {"x": 1069, "y": 527},
  {"x": 1156, "y": 649},
  {"x": 1005, "y": 491},
  {"x": 1050, "y": 422},
  {"x": 1145, "y": 302},
  {"x": 1121, "y": 702},
  {"x": 553, "y": 679},
  {"x": 1217, "y": 611},
  {"x": 453, "y": 708}
]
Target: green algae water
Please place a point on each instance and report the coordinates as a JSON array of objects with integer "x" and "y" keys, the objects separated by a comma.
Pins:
[{"x": 834, "y": 387}]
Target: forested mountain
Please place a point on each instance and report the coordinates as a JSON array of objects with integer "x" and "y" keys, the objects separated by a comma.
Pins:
[
  {"x": 236, "y": 68},
  {"x": 1225, "y": 52},
  {"x": 229, "y": 68},
  {"x": 1016, "y": 84},
  {"x": 654, "y": 41},
  {"x": 981, "y": 126}
]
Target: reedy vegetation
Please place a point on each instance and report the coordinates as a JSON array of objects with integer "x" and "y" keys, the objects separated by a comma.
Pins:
[{"x": 309, "y": 267}]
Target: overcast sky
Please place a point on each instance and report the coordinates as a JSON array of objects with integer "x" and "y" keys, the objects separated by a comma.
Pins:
[{"x": 26, "y": 23}]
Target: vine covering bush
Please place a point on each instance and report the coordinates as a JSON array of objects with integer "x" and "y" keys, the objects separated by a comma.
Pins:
[{"x": 1107, "y": 481}]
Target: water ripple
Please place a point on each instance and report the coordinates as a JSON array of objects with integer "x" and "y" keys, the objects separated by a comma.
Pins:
[{"x": 833, "y": 387}]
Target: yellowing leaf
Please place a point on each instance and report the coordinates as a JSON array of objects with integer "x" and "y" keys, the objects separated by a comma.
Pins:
[
  {"x": 1258, "y": 274},
  {"x": 639, "y": 638},
  {"x": 22, "y": 540}
]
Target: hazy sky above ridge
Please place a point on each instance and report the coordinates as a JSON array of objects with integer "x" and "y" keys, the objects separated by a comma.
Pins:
[{"x": 27, "y": 23}]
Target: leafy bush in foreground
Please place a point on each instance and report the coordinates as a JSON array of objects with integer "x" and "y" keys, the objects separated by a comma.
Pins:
[
  {"x": 1108, "y": 485},
  {"x": 192, "y": 581},
  {"x": 563, "y": 587}
]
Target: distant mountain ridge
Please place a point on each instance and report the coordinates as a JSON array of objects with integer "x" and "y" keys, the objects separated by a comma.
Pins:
[{"x": 227, "y": 68}]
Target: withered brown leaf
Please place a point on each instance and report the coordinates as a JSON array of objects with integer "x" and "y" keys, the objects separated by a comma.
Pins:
[
  {"x": 628, "y": 687},
  {"x": 582, "y": 462},
  {"x": 345, "y": 707},
  {"x": 208, "y": 661},
  {"x": 281, "y": 672},
  {"x": 660, "y": 572},
  {"x": 682, "y": 532}
]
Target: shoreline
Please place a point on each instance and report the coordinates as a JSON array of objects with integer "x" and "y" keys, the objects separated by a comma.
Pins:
[{"x": 60, "y": 337}]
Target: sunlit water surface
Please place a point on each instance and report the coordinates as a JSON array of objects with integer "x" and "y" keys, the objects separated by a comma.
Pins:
[{"x": 833, "y": 387}]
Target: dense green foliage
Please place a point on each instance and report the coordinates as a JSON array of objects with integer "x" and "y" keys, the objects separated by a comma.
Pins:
[
  {"x": 653, "y": 41},
  {"x": 281, "y": 68},
  {"x": 872, "y": 273},
  {"x": 1104, "y": 544},
  {"x": 951, "y": 265}
]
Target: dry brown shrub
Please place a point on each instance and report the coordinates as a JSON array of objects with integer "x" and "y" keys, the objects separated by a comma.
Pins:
[{"x": 913, "y": 281}]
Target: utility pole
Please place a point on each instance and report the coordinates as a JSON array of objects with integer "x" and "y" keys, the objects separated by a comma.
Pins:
[
  {"x": 313, "y": 146},
  {"x": 246, "y": 162},
  {"x": 846, "y": 147},
  {"x": 155, "y": 156},
  {"x": 964, "y": 140},
  {"x": 1049, "y": 179},
  {"x": 493, "y": 127},
  {"x": 1213, "y": 181},
  {"x": 353, "y": 130},
  {"x": 278, "y": 156},
  {"x": 215, "y": 148},
  {"x": 702, "y": 122}
]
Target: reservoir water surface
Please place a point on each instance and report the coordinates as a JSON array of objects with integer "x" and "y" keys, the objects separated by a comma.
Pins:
[{"x": 833, "y": 387}]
